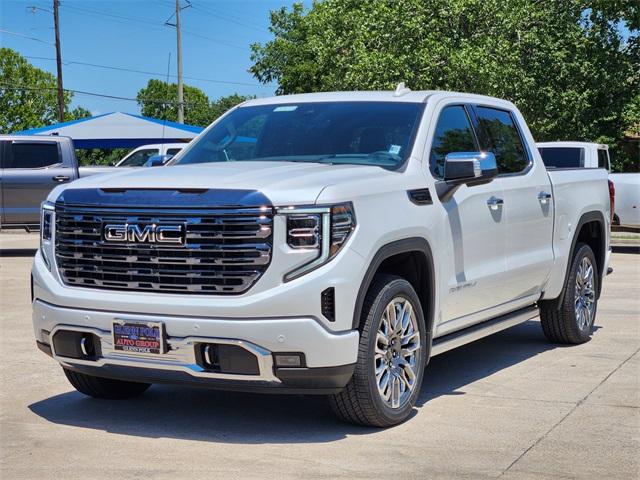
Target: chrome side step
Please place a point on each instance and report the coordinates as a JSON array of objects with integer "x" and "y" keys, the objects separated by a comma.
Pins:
[{"x": 484, "y": 329}]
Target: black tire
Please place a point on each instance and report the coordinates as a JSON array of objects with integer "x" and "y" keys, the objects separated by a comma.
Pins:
[
  {"x": 106, "y": 388},
  {"x": 559, "y": 320},
  {"x": 360, "y": 402}
]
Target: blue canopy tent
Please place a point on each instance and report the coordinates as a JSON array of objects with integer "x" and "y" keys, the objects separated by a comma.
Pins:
[{"x": 118, "y": 130}]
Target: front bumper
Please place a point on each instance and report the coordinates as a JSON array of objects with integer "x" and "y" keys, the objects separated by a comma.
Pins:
[{"x": 329, "y": 357}]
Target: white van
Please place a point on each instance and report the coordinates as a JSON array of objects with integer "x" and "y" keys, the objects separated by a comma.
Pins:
[{"x": 139, "y": 156}]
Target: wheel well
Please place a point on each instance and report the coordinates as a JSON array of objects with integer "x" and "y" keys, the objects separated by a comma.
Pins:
[
  {"x": 413, "y": 267},
  {"x": 592, "y": 234}
]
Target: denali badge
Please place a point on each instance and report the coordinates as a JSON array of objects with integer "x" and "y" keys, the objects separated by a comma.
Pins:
[{"x": 150, "y": 233}]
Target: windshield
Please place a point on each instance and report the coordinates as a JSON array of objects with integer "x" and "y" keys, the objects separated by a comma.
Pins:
[{"x": 365, "y": 133}]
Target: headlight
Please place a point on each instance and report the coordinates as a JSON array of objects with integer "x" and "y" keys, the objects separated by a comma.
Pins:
[
  {"x": 324, "y": 229},
  {"x": 46, "y": 230}
]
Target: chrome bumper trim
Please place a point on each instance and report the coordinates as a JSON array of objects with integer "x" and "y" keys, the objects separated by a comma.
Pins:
[{"x": 180, "y": 357}]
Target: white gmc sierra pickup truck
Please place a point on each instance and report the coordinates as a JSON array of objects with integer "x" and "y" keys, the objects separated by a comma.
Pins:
[{"x": 324, "y": 243}]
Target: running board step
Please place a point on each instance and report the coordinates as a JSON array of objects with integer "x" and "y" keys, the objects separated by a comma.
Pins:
[{"x": 484, "y": 329}]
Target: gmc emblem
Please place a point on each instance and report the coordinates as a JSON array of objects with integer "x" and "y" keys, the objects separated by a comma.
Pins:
[{"x": 150, "y": 233}]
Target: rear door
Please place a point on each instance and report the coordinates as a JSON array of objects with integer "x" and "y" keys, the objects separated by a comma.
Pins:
[
  {"x": 528, "y": 203},
  {"x": 30, "y": 171}
]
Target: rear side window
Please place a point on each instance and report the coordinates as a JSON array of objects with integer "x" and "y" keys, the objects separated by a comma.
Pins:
[
  {"x": 173, "y": 151},
  {"x": 603, "y": 158},
  {"x": 33, "y": 155},
  {"x": 557, "y": 157},
  {"x": 499, "y": 134},
  {"x": 453, "y": 134}
]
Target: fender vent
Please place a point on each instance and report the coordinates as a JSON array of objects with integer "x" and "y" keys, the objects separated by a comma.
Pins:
[
  {"x": 420, "y": 196},
  {"x": 328, "y": 304}
]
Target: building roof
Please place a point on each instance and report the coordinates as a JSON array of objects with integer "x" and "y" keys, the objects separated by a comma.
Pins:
[{"x": 118, "y": 129}]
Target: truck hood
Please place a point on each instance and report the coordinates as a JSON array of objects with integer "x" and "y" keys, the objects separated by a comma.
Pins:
[{"x": 284, "y": 183}]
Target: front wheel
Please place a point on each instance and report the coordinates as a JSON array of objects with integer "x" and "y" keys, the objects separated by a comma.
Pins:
[
  {"x": 571, "y": 321},
  {"x": 388, "y": 374}
]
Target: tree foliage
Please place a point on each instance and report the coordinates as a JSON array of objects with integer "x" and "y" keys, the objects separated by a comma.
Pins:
[
  {"x": 28, "y": 97},
  {"x": 159, "y": 100},
  {"x": 571, "y": 66}
]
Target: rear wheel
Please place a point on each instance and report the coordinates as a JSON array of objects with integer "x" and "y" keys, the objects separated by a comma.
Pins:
[
  {"x": 107, "y": 388},
  {"x": 571, "y": 321},
  {"x": 388, "y": 373}
]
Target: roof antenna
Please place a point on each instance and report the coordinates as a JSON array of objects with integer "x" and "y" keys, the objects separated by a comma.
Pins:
[{"x": 401, "y": 90}]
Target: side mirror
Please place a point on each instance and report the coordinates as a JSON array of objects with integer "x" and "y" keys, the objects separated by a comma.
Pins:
[{"x": 469, "y": 168}]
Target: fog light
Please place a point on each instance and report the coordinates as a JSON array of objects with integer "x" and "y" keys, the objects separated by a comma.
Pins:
[{"x": 289, "y": 359}]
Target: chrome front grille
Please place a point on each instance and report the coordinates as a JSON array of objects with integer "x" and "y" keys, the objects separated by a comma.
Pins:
[{"x": 225, "y": 250}]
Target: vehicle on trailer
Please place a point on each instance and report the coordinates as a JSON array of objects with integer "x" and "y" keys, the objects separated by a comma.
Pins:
[{"x": 354, "y": 237}]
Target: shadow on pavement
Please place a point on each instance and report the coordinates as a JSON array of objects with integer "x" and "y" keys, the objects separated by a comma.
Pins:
[
  {"x": 208, "y": 415},
  {"x": 18, "y": 252},
  {"x": 625, "y": 249}
]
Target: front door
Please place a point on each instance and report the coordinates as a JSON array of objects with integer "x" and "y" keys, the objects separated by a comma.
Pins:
[{"x": 474, "y": 264}]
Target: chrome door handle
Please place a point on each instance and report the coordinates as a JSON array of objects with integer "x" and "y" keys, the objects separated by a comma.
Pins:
[
  {"x": 61, "y": 178},
  {"x": 544, "y": 197},
  {"x": 495, "y": 203}
]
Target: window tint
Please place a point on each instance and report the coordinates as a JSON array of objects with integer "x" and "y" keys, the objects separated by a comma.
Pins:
[
  {"x": 33, "y": 155},
  {"x": 173, "y": 151},
  {"x": 498, "y": 134},
  {"x": 453, "y": 134},
  {"x": 603, "y": 159},
  {"x": 139, "y": 158},
  {"x": 560, "y": 157}
]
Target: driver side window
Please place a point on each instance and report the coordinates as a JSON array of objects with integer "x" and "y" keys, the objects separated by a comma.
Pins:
[{"x": 453, "y": 134}]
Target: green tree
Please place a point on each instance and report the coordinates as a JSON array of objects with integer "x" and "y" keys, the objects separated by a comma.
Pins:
[
  {"x": 76, "y": 114},
  {"x": 28, "y": 97},
  {"x": 159, "y": 100},
  {"x": 569, "y": 65},
  {"x": 100, "y": 156}
]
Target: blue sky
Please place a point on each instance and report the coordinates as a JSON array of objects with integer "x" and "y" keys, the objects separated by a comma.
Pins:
[{"x": 131, "y": 34}]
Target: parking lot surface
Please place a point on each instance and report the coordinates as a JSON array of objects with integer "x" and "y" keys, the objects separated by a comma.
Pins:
[{"x": 509, "y": 406}]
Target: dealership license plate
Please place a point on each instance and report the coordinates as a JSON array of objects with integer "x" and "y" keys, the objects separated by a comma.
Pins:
[{"x": 139, "y": 337}]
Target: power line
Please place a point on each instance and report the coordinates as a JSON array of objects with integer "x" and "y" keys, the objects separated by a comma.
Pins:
[
  {"x": 156, "y": 25},
  {"x": 25, "y": 36},
  {"x": 227, "y": 18},
  {"x": 157, "y": 74},
  {"x": 9, "y": 86}
]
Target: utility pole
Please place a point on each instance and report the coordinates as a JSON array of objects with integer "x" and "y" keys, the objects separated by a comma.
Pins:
[
  {"x": 56, "y": 23},
  {"x": 180, "y": 86}
]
